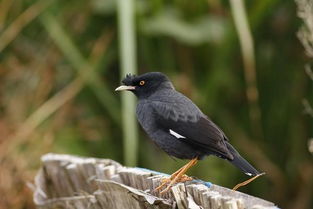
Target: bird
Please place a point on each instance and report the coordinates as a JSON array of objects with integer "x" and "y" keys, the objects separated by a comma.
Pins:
[{"x": 179, "y": 128}]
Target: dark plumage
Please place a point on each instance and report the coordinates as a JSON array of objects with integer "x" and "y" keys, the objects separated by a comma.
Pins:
[{"x": 176, "y": 124}]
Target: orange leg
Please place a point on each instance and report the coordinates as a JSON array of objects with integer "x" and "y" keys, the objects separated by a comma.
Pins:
[
  {"x": 167, "y": 180},
  {"x": 173, "y": 175},
  {"x": 164, "y": 181},
  {"x": 178, "y": 176},
  {"x": 247, "y": 181}
]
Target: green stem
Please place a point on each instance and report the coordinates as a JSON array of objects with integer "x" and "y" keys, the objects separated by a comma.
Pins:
[
  {"x": 247, "y": 50},
  {"x": 128, "y": 65}
]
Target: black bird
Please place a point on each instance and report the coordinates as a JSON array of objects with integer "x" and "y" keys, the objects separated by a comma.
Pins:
[{"x": 178, "y": 126}]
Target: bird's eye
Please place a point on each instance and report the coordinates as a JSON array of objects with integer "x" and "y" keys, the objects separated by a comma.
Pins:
[{"x": 141, "y": 83}]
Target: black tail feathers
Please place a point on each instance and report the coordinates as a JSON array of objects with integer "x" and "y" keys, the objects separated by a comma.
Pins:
[{"x": 241, "y": 163}]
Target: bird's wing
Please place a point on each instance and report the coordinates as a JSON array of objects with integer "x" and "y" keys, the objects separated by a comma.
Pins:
[{"x": 185, "y": 121}]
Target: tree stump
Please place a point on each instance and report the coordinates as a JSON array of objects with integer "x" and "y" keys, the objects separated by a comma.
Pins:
[{"x": 67, "y": 181}]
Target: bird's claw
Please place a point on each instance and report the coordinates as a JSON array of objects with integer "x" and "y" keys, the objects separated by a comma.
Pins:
[
  {"x": 163, "y": 183},
  {"x": 170, "y": 181},
  {"x": 185, "y": 178}
]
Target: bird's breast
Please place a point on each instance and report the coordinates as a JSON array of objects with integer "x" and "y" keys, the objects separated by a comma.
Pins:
[{"x": 146, "y": 118}]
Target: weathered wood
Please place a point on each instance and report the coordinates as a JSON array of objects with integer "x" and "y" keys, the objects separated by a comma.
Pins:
[{"x": 66, "y": 181}]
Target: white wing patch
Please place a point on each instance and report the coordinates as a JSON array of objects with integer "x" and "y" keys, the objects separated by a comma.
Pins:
[{"x": 177, "y": 135}]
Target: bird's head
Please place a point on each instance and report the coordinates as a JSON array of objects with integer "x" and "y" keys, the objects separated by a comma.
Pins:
[{"x": 146, "y": 84}]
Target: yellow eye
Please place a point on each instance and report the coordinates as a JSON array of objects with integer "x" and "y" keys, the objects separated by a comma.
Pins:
[{"x": 141, "y": 83}]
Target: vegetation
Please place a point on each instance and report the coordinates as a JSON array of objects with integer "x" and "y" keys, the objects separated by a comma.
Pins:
[{"x": 244, "y": 66}]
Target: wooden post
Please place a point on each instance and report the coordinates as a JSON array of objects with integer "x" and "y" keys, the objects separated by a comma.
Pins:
[{"x": 67, "y": 181}]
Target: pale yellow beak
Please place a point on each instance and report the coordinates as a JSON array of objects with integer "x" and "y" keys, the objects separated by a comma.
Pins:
[{"x": 125, "y": 88}]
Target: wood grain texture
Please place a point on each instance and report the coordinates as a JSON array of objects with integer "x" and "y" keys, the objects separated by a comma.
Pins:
[{"x": 66, "y": 181}]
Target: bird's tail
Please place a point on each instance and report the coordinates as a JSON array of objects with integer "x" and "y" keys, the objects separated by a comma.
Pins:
[{"x": 241, "y": 163}]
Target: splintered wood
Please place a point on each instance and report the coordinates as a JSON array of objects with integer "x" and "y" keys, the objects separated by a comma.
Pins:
[{"x": 66, "y": 181}]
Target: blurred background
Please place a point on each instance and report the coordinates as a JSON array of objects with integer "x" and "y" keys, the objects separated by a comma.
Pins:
[{"x": 248, "y": 68}]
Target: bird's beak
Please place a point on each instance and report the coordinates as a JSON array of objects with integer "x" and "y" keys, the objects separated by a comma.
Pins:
[{"x": 125, "y": 88}]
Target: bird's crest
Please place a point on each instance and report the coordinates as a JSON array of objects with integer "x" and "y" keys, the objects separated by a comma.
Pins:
[{"x": 128, "y": 80}]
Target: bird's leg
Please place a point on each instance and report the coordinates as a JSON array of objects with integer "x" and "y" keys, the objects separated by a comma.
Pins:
[
  {"x": 167, "y": 180},
  {"x": 247, "y": 181},
  {"x": 178, "y": 176}
]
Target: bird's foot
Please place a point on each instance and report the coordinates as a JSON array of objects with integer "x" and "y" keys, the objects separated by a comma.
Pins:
[
  {"x": 178, "y": 176},
  {"x": 171, "y": 181}
]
